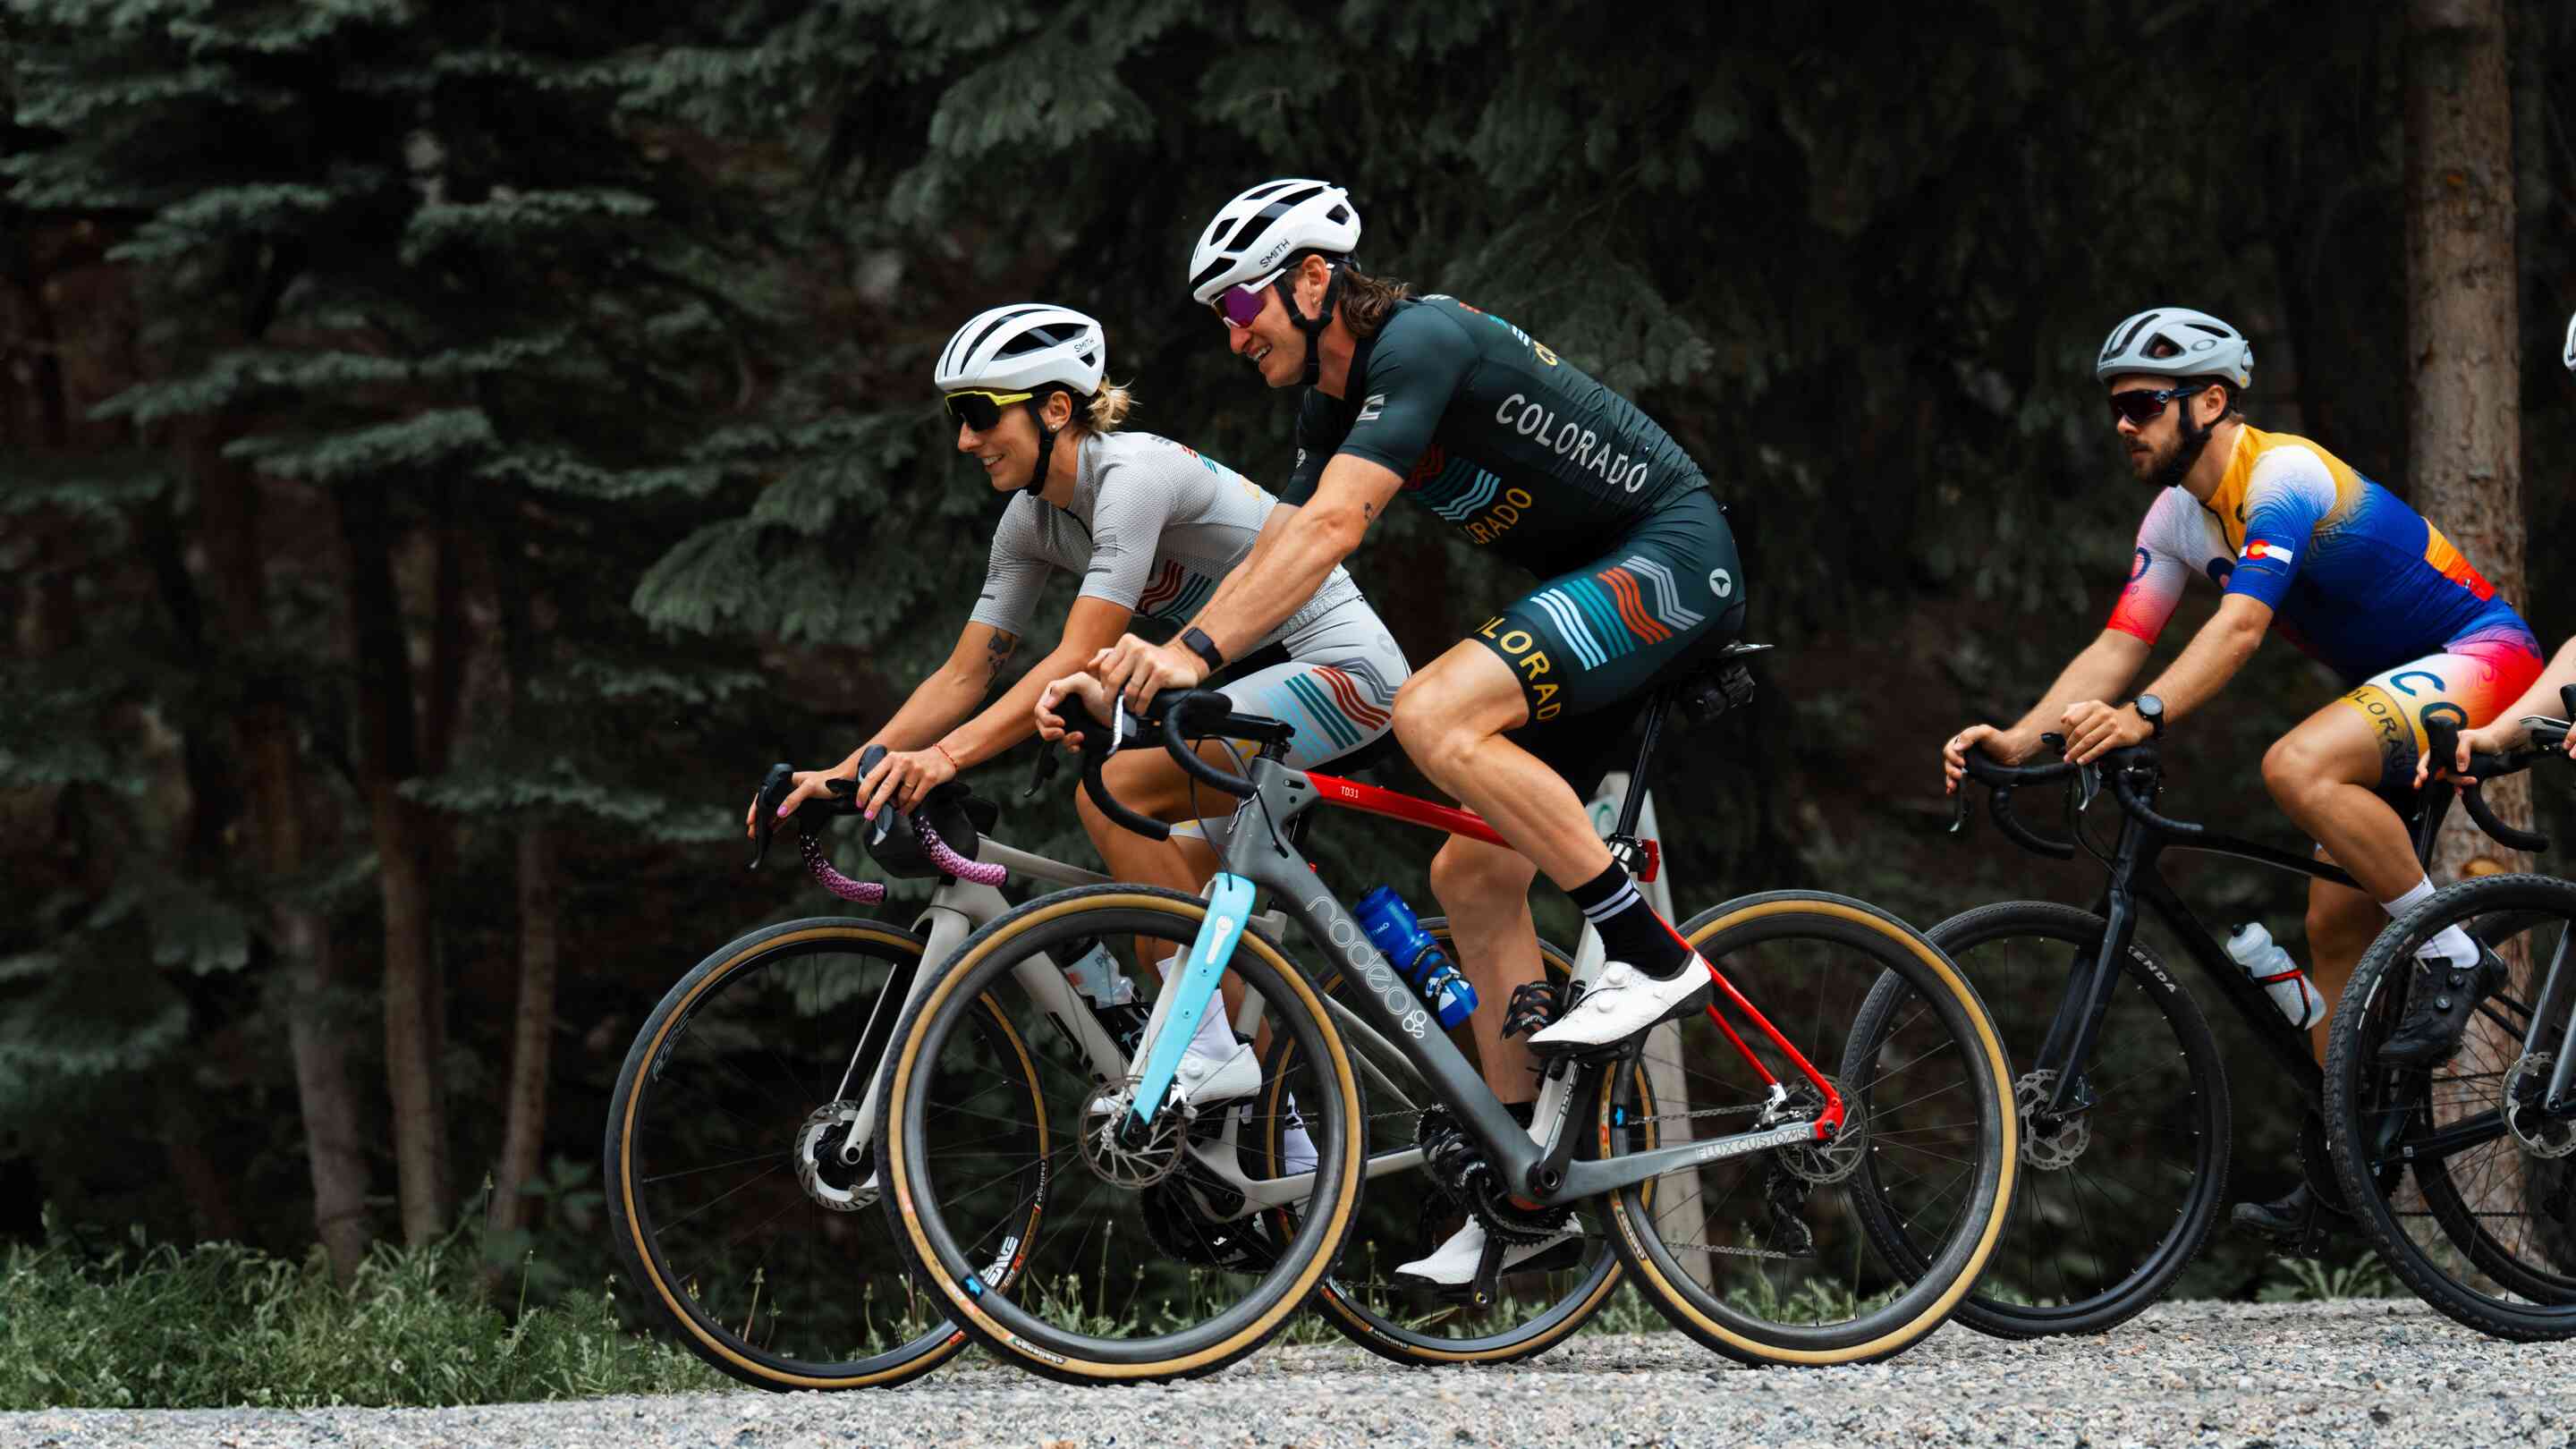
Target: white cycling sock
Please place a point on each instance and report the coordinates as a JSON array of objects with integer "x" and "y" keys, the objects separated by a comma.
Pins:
[{"x": 2451, "y": 944}]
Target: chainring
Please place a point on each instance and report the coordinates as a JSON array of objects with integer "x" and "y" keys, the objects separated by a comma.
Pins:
[
  {"x": 1180, "y": 1216},
  {"x": 1458, "y": 1168}
]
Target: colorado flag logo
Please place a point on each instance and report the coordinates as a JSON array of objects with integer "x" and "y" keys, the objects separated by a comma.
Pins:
[{"x": 2264, "y": 551}]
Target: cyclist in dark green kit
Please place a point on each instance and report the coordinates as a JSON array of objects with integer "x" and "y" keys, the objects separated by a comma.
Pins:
[{"x": 1552, "y": 472}]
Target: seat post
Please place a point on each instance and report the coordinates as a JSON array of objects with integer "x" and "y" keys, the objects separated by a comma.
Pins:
[{"x": 1635, "y": 802}]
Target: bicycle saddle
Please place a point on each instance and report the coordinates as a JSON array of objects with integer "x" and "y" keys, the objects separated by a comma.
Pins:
[{"x": 1717, "y": 683}]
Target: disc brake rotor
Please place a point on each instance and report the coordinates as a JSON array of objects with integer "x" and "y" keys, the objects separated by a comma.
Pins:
[
  {"x": 2051, "y": 1144},
  {"x": 1131, "y": 1164},
  {"x": 837, "y": 1175},
  {"x": 2534, "y": 1130},
  {"x": 1837, "y": 1157}
]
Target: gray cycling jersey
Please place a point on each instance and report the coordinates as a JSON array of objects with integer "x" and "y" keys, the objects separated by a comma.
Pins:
[{"x": 1152, "y": 527}]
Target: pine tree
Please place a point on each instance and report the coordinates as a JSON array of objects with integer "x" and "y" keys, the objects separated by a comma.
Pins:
[{"x": 432, "y": 273}]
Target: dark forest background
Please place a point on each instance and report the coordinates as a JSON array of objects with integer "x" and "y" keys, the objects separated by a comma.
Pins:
[{"x": 450, "y": 450}]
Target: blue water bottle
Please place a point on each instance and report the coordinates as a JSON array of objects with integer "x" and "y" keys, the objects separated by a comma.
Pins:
[{"x": 1417, "y": 958}]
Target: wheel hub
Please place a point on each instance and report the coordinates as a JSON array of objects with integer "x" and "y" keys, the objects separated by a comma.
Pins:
[
  {"x": 1838, "y": 1156},
  {"x": 1125, "y": 1158},
  {"x": 2537, "y": 1132},
  {"x": 832, "y": 1165},
  {"x": 2048, "y": 1142}
]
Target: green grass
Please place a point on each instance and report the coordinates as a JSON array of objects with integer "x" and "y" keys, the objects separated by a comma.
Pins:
[{"x": 217, "y": 1325}]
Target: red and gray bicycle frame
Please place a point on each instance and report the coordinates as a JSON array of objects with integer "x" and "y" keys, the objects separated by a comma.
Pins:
[{"x": 1260, "y": 856}]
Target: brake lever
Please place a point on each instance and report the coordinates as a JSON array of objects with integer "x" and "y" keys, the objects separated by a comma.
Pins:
[
  {"x": 1048, "y": 762},
  {"x": 764, "y": 809}
]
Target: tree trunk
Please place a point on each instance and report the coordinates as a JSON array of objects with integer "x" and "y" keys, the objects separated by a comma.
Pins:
[
  {"x": 334, "y": 1143},
  {"x": 532, "y": 1040},
  {"x": 2465, "y": 418},
  {"x": 388, "y": 755}
]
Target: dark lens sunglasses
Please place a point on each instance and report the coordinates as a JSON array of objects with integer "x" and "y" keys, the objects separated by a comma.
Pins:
[
  {"x": 1241, "y": 304},
  {"x": 2144, "y": 405},
  {"x": 982, "y": 411}
]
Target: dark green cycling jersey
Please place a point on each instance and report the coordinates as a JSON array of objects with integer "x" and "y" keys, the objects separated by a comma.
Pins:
[{"x": 1520, "y": 450}]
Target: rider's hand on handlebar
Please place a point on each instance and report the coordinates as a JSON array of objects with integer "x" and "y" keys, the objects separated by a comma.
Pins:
[
  {"x": 2000, "y": 746},
  {"x": 1088, "y": 688},
  {"x": 1140, "y": 670},
  {"x": 809, "y": 783},
  {"x": 2094, "y": 729},
  {"x": 902, "y": 779},
  {"x": 2495, "y": 739}
]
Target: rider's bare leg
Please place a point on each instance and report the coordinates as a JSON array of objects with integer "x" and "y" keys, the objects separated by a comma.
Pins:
[{"x": 1484, "y": 891}]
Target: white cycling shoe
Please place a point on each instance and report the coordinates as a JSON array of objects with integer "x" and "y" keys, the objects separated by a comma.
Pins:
[
  {"x": 1453, "y": 1263},
  {"x": 1205, "y": 1079},
  {"x": 1622, "y": 1003}
]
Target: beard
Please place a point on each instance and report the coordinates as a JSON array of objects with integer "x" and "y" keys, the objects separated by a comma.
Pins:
[{"x": 2152, "y": 462}]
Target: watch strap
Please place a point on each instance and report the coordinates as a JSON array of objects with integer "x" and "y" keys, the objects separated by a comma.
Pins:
[{"x": 1197, "y": 642}]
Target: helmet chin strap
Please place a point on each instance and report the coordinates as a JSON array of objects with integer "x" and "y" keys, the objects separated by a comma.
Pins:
[
  {"x": 1046, "y": 441},
  {"x": 2194, "y": 438},
  {"x": 1313, "y": 326}
]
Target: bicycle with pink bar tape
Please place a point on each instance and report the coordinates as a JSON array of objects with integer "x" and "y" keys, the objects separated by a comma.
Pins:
[{"x": 738, "y": 1156}]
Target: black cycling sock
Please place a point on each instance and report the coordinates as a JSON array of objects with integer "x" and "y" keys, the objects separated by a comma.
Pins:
[{"x": 1630, "y": 929}]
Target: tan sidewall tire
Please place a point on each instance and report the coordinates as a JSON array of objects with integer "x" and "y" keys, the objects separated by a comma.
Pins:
[
  {"x": 1636, "y": 1237},
  {"x": 964, "y": 1308}
]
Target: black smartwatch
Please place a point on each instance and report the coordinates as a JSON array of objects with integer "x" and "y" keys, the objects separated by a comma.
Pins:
[
  {"x": 2152, "y": 710},
  {"x": 1197, "y": 642}
]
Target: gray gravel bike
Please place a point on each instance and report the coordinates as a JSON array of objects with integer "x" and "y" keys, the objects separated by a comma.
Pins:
[
  {"x": 739, "y": 1157},
  {"x": 1735, "y": 1217}
]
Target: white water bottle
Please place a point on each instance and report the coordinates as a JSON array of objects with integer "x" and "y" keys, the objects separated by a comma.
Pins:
[
  {"x": 1095, "y": 974},
  {"x": 2270, "y": 967}
]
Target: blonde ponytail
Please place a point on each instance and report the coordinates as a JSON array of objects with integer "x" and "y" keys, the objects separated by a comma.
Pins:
[{"x": 1109, "y": 407}]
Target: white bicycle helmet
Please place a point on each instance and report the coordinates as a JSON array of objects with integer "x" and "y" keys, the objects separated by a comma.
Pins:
[
  {"x": 1257, "y": 231},
  {"x": 1019, "y": 347},
  {"x": 2177, "y": 342},
  {"x": 1027, "y": 347},
  {"x": 2568, "y": 355}
]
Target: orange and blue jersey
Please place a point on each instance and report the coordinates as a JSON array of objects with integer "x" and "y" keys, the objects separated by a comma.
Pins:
[{"x": 2356, "y": 579}]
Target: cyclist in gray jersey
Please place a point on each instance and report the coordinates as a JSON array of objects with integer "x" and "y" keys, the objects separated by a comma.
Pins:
[{"x": 1150, "y": 527}]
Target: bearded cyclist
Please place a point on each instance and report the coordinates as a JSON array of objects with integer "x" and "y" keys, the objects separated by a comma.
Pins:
[
  {"x": 1546, "y": 469},
  {"x": 2359, "y": 582},
  {"x": 1149, "y": 527}
]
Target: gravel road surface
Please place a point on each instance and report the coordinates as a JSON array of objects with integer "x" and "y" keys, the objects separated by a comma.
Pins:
[{"x": 2353, "y": 1373}]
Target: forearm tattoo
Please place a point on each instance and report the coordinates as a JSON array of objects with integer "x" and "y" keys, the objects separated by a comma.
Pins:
[{"x": 997, "y": 652}]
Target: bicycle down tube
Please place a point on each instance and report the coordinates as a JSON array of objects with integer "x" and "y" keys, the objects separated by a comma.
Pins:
[{"x": 1388, "y": 1004}]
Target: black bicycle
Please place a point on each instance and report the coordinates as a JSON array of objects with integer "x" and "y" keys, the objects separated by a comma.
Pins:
[
  {"x": 2465, "y": 1174},
  {"x": 2123, "y": 1096}
]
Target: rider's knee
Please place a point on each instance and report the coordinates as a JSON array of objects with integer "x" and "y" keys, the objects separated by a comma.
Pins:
[
  {"x": 1470, "y": 875},
  {"x": 2292, "y": 767}
]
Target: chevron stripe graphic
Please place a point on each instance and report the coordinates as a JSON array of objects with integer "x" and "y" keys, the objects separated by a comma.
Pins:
[
  {"x": 1373, "y": 684},
  {"x": 1162, "y": 589},
  {"x": 1335, "y": 727},
  {"x": 1668, "y": 594},
  {"x": 1569, "y": 623},
  {"x": 1346, "y": 694},
  {"x": 1475, "y": 496},
  {"x": 1603, "y": 614},
  {"x": 1632, "y": 608}
]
